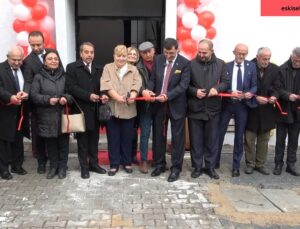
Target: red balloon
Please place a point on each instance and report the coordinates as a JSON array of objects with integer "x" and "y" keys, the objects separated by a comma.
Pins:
[
  {"x": 29, "y": 3},
  {"x": 51, "y": 45},
  {"x": 38, "y": 12},
  {"x": 206, "y": 18},
  {"x": 18, "y": 25},
  {"x": 192, "y": 3},
  {"x": 211, "y": 32},
  {"x": 189, "y": 46},
  {"x": 25, "y": 49},
  {"x": 183, "y": 33},
  {"x": 179, "y": 22},
  {"x": 32, "y": 25},
  {"x": 47, "y": 37}
]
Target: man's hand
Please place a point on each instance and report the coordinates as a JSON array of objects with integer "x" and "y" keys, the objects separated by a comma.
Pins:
[
  {"x": 94, "y": 98},
  {"x": 104, "y": 99},
  {"x": 272, "y": 99},
  {"x": 293, "y": 97},
  {"x": 15, "y": 100},
  {"x": 212, "y": 92},
  {"x": 262, "y": 100},
  {"x": 248, "y": 95},
  {"x": 22, "y": 95},
  {"x": 162, "y": 98},
  {"x": 201, "y": 93},
  {"x": 149, "y": 94},
  {"x": 63, "y": 101},
  {"x": 237, "y": 94}
]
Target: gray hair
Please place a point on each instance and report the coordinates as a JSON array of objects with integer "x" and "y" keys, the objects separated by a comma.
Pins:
[
  {"x": 263, "y": 49},
  {"x": 86, "y": 43},
  {"x": 15, "y": 49},
  {"x": 207, "y": 41},
  {"x": 296, "y": 51}
]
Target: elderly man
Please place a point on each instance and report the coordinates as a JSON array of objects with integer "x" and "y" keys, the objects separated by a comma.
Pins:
[
  {"x": 288, "y": 125},
  {"x": 262, "y": 118},
  {"x": 208, "y": 78},
  {"x": 242, "y": 76},
  {"x": 13, "y": 115}
]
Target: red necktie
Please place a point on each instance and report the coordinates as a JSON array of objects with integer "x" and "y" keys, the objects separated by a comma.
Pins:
[{"x": 166, "y": 79}]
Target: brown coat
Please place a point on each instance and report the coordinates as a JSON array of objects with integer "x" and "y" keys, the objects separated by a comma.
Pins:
[{"x": 131, "y": 82}]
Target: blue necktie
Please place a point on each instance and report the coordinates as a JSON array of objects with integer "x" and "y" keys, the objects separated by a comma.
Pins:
[{"x": 239, "y": 85}]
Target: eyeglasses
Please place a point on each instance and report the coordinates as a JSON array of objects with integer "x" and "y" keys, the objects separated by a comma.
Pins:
[{"x": 52, "y": 59}]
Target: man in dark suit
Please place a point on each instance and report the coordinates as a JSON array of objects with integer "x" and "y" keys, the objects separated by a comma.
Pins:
[
  {"x": 168, "y": 82},
  {"x": 13, "y": 91},
  {"x": 261, "y": 119},
  {"x": 83, "y": 83},
  {"x": 32, "y": 65},
  {"x": 242, "y": 75}
]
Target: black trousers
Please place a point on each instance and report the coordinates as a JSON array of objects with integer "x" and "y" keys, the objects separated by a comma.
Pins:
[
  {"x": 292, "y": 131},
  {"x": 160, "y": 126},
  {"x": 12, "y": 152},
  {"x": 58, "y": 151},
  {"x": 87, "y": 144},
  {"x": 204, "y": 138}
]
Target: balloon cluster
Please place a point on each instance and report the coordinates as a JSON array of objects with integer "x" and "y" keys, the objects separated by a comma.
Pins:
[
  {"x": 32, "y": 15},
  {"x": 193, "y": 24}
]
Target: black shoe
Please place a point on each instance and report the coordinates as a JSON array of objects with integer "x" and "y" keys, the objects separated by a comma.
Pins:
[
  {"x": 41, "y": 169},
  {"x": 196, "y": 173},
  {"x": 157, "y": 171},
  {"x": 85, "y": 174},
  {"x": 217, "y": 166},
  {"x": 212, "y": 174},
  {"x": 174, "y": 175},
  {"x": 19, "y": 171},
  {"x": 277, "y": 170},
  {"x": 97, "y": 169},
  {"x": 235, "y": 173},
  {"x": 292, "y": 170},
  {"x": 52, "y": 173},
  {"x": 128, "y": 169},
  {"x": 62, "y": 173},
  {"x": 249, "y": 170},
  {"x": 5, "y": 175},
  {"x": 112, "y": 171},
  {"x": 262, "y": 170}
]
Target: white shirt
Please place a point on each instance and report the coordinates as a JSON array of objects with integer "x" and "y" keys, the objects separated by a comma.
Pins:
[
  {"x": 165, "y": 71},
  {"x": 122, "y": 71},
  {"x": 20, "y": 78},
  {"x": 234, "y": 75}
]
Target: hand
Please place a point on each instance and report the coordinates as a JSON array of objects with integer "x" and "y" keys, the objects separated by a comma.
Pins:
[
  {"x": 121, "y": 99},
  {"x": 212, "y": 92},
  {"x": 262, "y": 100},
  {"x": 237, "y": 94},
  {"x": 162, "y": 98},
  {"x": 272, "y": 99},
  {"x": 148, "y": 93},
  {"x": 293, "y": 97},
  {"x": 104, "y": 99},
  {"x": 248, "y": 95},
  {"x": 94, "y": 98},
  {"x": 15, "y": 100},
  {"x": 22, "y": 95},
  {"x": 63, "y": 101},
  {"x": 201, "y": 93},
  {"x": 53, "y": 101}
]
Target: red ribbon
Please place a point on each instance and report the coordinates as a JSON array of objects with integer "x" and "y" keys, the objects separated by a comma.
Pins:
[{"x": 68, "y": 120}]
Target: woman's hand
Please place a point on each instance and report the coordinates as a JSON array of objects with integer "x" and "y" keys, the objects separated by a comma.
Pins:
[
  {"x": 62, "y": 101},
  {"x": 104, "y": 99},
  {"x": 53, "y": 101}
]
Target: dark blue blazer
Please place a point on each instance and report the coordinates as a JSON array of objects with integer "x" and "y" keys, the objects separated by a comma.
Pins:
[
  {"x": 249, "y": 80},
  {"x": 178, "y": 84}
]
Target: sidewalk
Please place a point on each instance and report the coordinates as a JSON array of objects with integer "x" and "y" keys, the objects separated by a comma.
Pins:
[{"x": 140, "y": 201}]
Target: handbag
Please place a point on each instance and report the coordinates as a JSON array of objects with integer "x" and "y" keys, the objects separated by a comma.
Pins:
[
  {"x": 72, "y": 123},
  {"x": 104, "y": 113}
]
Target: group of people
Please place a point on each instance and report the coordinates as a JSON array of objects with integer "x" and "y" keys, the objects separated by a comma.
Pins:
[{"x": 145, "y": 90}]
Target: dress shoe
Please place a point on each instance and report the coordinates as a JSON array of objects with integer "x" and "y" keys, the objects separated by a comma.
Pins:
[
  {"x": 19, "y": 171},
  {"x": 174, "y": 175},
  {"x": 262, "y": 170},
  {"x": 235, "y": 173},
  {"x": 292, "y": 170},
  {"x": 97, "y": 169},
  {"x": 128, "y": 169},
  {"x": 157, "y": 171},
  {"x": 196, "y": 173},
  {"x": 277, "y": 170},
  {"x": 143, "y": 167},
  {"x": 212, "y": 174},
  {"x": 85, "y": 174},
  {"x": 249, "y": 170},
  {"x": 51, "y": 173},
  {"x": 41, "y": 169},
  {"x": 6, "y": 175},
  {"x": 62, "y": 173},
  {"x": 112, "y": 171}
]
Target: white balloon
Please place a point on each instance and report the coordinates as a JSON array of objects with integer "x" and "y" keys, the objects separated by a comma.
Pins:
[
  {"x": 22, "y": 38},
  {"x": 21, "y": 12},
  {"x": 47, "y": 24},
  {"x": 15, "y": 2},
  {"x": 198, "y": 33},
  {"x": 189, "y": 20},
  {"x": 181, "y": 9}
]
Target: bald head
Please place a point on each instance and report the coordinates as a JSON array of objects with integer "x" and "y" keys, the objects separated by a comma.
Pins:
[
  {"x": 15, "y": 57},
  {"x": 240, "y": 51}
]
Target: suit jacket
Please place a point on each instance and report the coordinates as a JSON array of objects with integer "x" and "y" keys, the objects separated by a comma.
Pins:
[
  {"x": 249, "y": 80},
  {"x": 10, "y": 115},
  {"x": 81, "y": 84},
  {"x": 177, "y": 86}
]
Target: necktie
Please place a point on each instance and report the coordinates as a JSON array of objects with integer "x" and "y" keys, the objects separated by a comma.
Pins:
[
  {"x": 166, "y": 79},
  {"x": 239, "y": 85},
  {"x": 15, "y": 73},
  {"x": 87, "y": 67}
]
